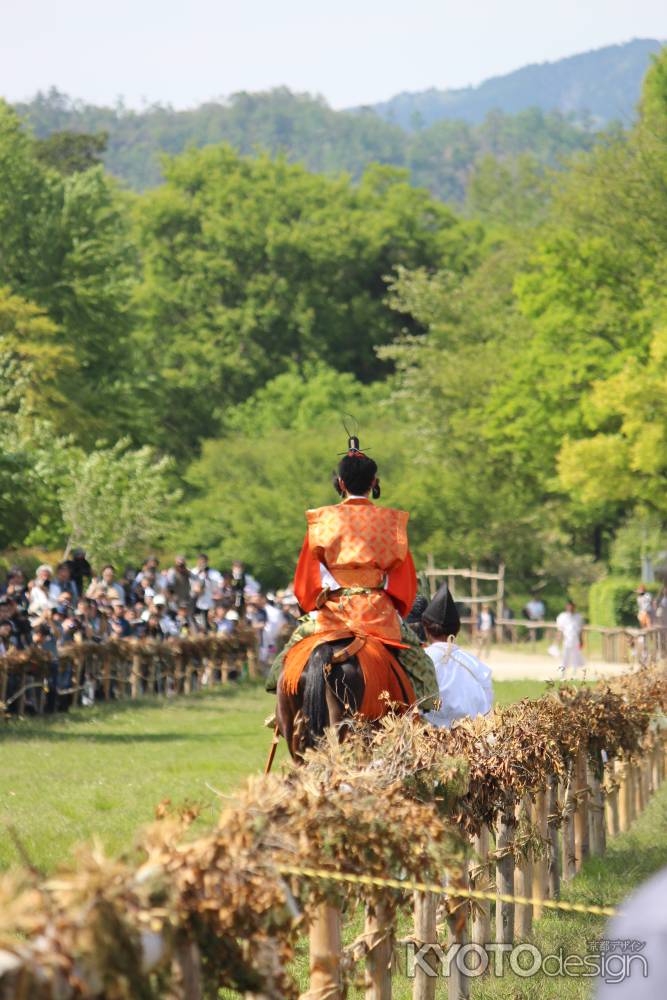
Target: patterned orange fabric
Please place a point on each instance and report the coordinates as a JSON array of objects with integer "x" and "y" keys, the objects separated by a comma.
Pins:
[
  {"x": 362, "y": 546},
  {"x": 383, "y": 674},
  {"x": 358, "y": 535}
]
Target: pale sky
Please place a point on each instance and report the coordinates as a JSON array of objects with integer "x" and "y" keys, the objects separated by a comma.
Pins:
[{"x": 351, "y": 51}]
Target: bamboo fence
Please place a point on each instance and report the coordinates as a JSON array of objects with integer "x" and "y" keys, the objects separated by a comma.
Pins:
[
  {"x": 399, "y": 817},
  {"x": 82, "y": 672}
]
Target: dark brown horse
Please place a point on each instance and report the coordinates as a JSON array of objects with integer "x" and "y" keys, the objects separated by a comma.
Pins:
[{"x": 329, "y": 692}]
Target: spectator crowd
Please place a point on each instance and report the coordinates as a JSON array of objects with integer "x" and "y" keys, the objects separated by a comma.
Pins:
[{"x": 72, "y": 603}]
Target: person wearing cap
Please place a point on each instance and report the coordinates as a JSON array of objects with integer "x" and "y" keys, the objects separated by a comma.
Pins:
[
  {"x": 356, "y": 579},
  {"x": 464, "y": 682}
]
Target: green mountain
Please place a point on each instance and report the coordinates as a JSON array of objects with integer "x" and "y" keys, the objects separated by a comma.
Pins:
[
  {"x": 548, "y": 111},
  {"x": 601, "y": 86},
  {"x": 305, "y": 130}
]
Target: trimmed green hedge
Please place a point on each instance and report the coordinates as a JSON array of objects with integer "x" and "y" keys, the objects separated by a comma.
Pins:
[{"x": 613, "y": 601}]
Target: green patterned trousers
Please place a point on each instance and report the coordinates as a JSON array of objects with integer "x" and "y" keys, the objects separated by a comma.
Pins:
[{"x": 417, "y": 665}]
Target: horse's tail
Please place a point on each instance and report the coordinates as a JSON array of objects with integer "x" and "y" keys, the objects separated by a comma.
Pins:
[{"x": 320, "y": 671}]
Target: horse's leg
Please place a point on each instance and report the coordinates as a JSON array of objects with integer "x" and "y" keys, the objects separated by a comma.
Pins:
[
  {"x": 345, "y": 693},
  {"x": 287, "y": 709}
]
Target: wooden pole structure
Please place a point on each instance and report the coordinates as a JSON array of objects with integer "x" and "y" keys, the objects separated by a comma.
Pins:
[
  {"x": 380, "y": 942},
  {"x": 325, "y": 947},
  {"x": 568, "y": 829},
  {"x": 430, "y": 575},
  {"x": 596, "y": 812},
  {"x": 500, "y": 601},
  {"x": 553, "y": 880},
  {"x": 425, "y": 933},
  {"x": 624, "y": 795},
  {"x": 473, "y": 594},
  {"x": 505, "y": 880},
  {"x": 481, "y": 921},
  {"x": 581, "y": 841},
  {"x": 611, "y": 800},
  {"x": 135, "y": 676},
  {"x": 540, "y": 865},
  {"x": 523, "y": 881},
  {"x": 459, "y": 982}
]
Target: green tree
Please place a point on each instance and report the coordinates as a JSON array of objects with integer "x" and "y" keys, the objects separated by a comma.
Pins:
[
  {"x": 71, "y": 152},
  {"x": 119, "y": 502},
  {"x": 253, "y": 265}
]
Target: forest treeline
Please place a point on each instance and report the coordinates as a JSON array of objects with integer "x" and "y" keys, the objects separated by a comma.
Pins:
[
  {"x": 174, "y": 365},
  {"x": 307, "y": 131}
]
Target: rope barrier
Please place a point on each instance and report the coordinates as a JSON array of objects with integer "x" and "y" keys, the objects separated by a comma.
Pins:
[{"x": 439, "y": 890}]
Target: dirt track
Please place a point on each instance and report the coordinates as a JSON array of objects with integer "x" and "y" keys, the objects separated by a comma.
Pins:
[{"x": 509, "y": 666}]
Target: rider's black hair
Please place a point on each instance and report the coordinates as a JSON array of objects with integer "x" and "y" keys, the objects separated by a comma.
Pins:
[{"x": 359, "y": 473}]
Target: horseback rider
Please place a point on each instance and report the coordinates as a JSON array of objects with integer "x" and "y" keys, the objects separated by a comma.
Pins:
[{"x": 355, "y": 579}]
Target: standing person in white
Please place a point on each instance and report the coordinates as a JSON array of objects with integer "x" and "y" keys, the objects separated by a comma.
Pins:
[
  {"x": 570, "y": 623},
  {"x": 464, "y": 682}
]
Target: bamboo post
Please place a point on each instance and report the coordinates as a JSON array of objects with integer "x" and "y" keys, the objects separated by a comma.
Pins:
[
  {"x": 624, "y": 795},
  {"x": 266, "y": 959},
  {"x": 380, "y": 941},
  {"x": 430, "y": 574},
  {"x": 596, "y": 811},
  {"x": 135, "y": 688},
  {"x": 505, "y": 880},
  {"x": 325, "y": 944},
  {"x": 656, "y": 776},
  {"x": 553, "y": 885},
  {"x": 541, "y": 864},
  {"x": 481, "y": 921},
  {"x": 581, "y": 841},
  {"x": 4, "y": 671},
  {"x": 179, "y": 673},
  {"x": 500, "y": 601},
  {"x": 611, "y": 800},
  {"x": 523, "y": 883},
  {"x": 568, "y": 829},
  {"x": 473, "y": 595},
  {"x": 459, "y": 983},
  {"x": 425, "y": 933},
  {"x": 187, "y": 962}
]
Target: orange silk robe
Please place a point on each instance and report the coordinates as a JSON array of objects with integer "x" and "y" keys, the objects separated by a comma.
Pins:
[{"x": 361, "y": 545}]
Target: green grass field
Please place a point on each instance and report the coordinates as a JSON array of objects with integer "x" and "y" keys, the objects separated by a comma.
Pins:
[{"x": 102, "y": 771}]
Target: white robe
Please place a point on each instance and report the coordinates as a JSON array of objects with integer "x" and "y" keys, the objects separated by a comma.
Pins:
[
  {"x": 466, "y": 688},
  {"x": 570, "y": 626}
]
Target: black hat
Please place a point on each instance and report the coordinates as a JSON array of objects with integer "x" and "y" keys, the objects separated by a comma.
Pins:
[{"x": 442, "y": 613}]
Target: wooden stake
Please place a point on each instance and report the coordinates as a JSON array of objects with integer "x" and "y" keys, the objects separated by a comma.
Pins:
[
  {"x": 569, "y": 867},
  {"x": 624, "y": 795},
  {"x": 505, "y": 881},
  {"x": 610, "y": 790},
  {"x": 581, "y": 841},
  {"x": 596, "y": 812},
  {"x": 553, "y": 880},
  {"x": 523, "y": 882},
  {"x": 324, "y": 938},
  {"x": 481, "y": 921},
  {"x": 540, "y": 865},
  {"x": 425, "y": 933},
  {"x": 380, "y": 940}
]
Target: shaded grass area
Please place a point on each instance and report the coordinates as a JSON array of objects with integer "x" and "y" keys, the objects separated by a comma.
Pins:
[{"x": 102, "y": 771}]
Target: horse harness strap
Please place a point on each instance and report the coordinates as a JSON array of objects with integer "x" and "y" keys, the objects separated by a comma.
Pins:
[{"x": 341, "y": 655}]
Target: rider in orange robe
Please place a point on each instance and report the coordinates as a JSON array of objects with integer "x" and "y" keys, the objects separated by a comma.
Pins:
[{"x": 356, "y": 578}]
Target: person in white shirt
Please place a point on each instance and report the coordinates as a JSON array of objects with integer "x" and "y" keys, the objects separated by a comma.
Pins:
[
  {"x": 209, "y": 581},
  {"x": 570, "y": 623},
  {"x": 464, "y": 682}
]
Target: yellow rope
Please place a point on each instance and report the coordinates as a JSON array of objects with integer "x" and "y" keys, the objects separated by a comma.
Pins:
[{"x": 453, "y": 891}]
